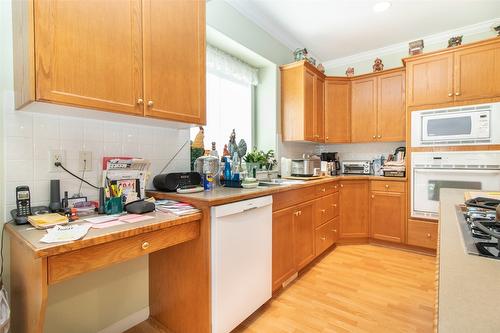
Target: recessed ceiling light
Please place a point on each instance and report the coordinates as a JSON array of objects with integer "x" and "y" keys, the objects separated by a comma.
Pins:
[{"x": 381, "y": 6}]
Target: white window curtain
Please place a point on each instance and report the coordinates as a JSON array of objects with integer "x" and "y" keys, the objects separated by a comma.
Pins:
[{"x": 220, "y": 62}]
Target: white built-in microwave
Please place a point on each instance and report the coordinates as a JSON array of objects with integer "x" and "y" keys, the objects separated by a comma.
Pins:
[{"x": 467, "y": 125}]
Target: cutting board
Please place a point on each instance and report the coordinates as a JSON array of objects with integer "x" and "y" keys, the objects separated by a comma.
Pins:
[
  {"x": 303, "y": 178},
  {"x": 489, "y": 195}
]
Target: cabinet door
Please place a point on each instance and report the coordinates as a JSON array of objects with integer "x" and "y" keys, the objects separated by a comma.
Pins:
[
  {"x": 89, "y": 54},
  {"x": 283, "y": 260},
  {"x": 387, "y": 216},
  {"x": 391, "y": 107},
  {"x": 319, "y": 112},
  {"x": 303, "y": 225},
  {"x": 309, "y": 108},
  {"x": 430, "y": 80},
  {"x": 354, "y": 209},
  {"x": 337, "y": 111},
  {"x": 174, "y": 60},
  {"x": 363, "y": 110},
  {"x": 477, "y": 72}
]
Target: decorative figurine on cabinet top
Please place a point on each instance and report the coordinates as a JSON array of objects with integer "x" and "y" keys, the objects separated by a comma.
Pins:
[
  {"x": 378, "y": 65},
  {"x": 455, "y": 41},
  {"x": 349, "y": 72},
  {"x": 497, "y": 29},
  {"x": 416, "y": 47},
  {"x": 300, "y": 54},
  {"x": 321, "y": 68}
]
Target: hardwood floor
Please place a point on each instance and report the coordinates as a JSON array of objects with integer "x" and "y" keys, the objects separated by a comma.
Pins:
[{"x": 356, "y": 288}]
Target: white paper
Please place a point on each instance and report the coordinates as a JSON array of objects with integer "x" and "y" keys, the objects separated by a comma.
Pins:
[
  {"x": 102, "y": 219},
  {"x": 65, "y": 233}
]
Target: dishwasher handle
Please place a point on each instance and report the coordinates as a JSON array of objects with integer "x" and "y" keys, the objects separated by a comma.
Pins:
[{"x": 241, "y": 206}]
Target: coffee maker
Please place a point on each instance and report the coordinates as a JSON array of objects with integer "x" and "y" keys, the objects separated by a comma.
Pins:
[{"x": 331, "y": 162}]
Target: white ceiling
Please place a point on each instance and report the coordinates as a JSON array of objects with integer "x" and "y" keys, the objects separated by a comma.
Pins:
[{"x": 332, "y": 29}]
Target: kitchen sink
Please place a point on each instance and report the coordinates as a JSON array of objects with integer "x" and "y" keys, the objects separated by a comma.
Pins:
[{"x": 280, "y": 182}]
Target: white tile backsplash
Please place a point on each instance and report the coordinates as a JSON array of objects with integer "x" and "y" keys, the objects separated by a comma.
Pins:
[{"x": 30, "y": 136}]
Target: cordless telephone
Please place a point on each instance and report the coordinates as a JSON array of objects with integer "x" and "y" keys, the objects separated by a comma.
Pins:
[{"x": 23, "y": 201}]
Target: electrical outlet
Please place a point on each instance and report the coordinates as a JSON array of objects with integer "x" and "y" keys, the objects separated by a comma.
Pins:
[
  {"x": 56, "y": 156},
  {"x": 85, "y": 161}
]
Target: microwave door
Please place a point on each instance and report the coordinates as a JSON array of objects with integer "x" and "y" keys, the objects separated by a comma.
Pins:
[
  {"x": 447, "y": 127},
  {"x": 428, "y": 182}
]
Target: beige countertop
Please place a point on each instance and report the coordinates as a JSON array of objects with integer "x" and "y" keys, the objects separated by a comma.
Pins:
[
  {"x": 469, "y": 285},
  {"x": 224, "y": 195}
]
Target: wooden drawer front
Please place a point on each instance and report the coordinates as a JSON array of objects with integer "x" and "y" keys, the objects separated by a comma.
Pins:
[
  {"x": 293, "y": 197},
  {"x": 69, "y": 264},
  {"x": 421, "y": 233},
  {"x": 327, "y": 188},
  {"x": 324, "y": 210},
  {"x": 388, "y": 186},
  {"x": 336, "y": 229},
  {"x": 324, "y": 237}
]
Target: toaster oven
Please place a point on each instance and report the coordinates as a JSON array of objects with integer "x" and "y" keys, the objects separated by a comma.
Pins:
[{"x": 356, "y": 167}]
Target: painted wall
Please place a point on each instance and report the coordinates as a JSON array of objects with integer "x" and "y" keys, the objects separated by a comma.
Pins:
[
  {"x": 94, "y": 301},
  {"x": 393, "y": 60}
]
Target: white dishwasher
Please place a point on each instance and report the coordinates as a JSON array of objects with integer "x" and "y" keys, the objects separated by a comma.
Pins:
[{"x": 241, "y": 260}]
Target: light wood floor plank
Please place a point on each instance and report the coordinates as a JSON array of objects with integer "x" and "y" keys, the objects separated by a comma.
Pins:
[{"x": 355, "y": 288}]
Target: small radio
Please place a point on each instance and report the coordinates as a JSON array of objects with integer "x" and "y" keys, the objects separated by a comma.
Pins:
[{"x": 170, "y": 182}]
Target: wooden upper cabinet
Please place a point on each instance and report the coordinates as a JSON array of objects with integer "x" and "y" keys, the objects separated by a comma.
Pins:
[
  {"x": 354, "y": 209},
  {"x": 363, "y": 110},
  {"x": 477, "y": 72},
  {"x": 89, "y": 53},
  {"x": 302, "y": 102},
  {"x": 430, "y": 80},
  {"x": 174, "y": 60},
  {"x": 309, "y": 103},
  {"x": 337, "y": 110},
  {"x": 319, "y": 112},
  {"x": 391, "y": 107}
]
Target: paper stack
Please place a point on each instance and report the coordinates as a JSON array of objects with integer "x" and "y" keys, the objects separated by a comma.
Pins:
[
  {"x": 65, "y": 233},
  {"x": 175, "y": 207}
]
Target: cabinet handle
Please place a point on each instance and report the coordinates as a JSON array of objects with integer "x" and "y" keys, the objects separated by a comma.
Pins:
[
  {"x": 323, "y": 211},
  {"x": 327, "y": 138},
  {"x": 323, "y": 238},
  {"x": 341, "y": 185},
  {"x": 296, "y": 213},
  {"x": 386, "y": 185},
  {"x": 323, "y": 189},
  {"x": 334, "y": 205},
  {"x": 300, "y": 212},
  {"x": 145, "y": 245},
  {"x": 140, "y": 101},
  {"x": 428, "y": 235},
  {"x": 151, "y": 103},
  {"x": 374, "y": 136},
  {"x": 373, "y": 196},
  {"x": 335, "y": 187},
  {"x": 457, "y": 94},
  {"x": 450, "y": 94},
  {"x": 334, "y": 230},
  {"x": 379, "y": 136}
]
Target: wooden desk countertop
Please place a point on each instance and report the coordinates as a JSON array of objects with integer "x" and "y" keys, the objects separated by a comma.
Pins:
[{"x": 30, "y": 237}]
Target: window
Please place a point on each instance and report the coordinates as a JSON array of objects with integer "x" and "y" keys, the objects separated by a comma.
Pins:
[{"x": 229, "y": 100}]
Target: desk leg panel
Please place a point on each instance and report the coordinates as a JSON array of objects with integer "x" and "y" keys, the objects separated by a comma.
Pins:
[
  {"x": 28, "y": 280},
  {"x": 179, "y": 283}
]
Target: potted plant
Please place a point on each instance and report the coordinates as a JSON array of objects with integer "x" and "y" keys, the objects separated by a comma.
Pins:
[{"x": 255, "y": 160}]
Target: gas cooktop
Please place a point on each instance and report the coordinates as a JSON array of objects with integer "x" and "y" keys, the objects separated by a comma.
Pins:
[{"x": 480, "y": 231}]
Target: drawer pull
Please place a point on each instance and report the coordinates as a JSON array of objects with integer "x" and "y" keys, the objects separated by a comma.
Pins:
[
  {"x": 334, "y": 230},
  {"x": 145, "y": 245},
  {"x": 373, "y": 196},
  {"x": 323, "y": 189},
  {"x": 323, "y": 211},
  {"x": 334, "y": 205},
  {"x": 341, "y": 185},
  {"x": 386, "y": 185},
  {"x": 335, "y": 186},
  {"x": 428, "y": 235},
  {"x": 323, "y": 238}
]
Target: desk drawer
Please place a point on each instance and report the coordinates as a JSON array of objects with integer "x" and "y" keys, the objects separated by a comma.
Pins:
[
  {"x": 63, "y": 266},
  {"x": 388, "y": 186}
]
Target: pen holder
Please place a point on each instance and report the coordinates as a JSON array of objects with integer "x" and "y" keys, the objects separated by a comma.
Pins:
[{"x": 114, "y": 206}]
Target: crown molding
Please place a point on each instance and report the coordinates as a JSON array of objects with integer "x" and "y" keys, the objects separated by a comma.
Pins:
[
  {"x": 468, "y": 30},
  {"x": 265, "y": 23}
]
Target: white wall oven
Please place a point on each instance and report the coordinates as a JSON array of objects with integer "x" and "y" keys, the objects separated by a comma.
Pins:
[
  {"x": 467, "y": 125},
  {"x": 432, "y": 171}
]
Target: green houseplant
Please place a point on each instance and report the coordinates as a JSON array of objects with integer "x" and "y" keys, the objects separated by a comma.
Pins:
[{"x": 258, "y": 159}]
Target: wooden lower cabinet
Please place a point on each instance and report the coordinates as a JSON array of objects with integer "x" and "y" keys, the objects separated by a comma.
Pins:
[
  {"x": 387, "y": 216},
  {"x": 354, "y": 209},
  {"x": 293, "y": 241},
  {"x": 422, "y": 233}
]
